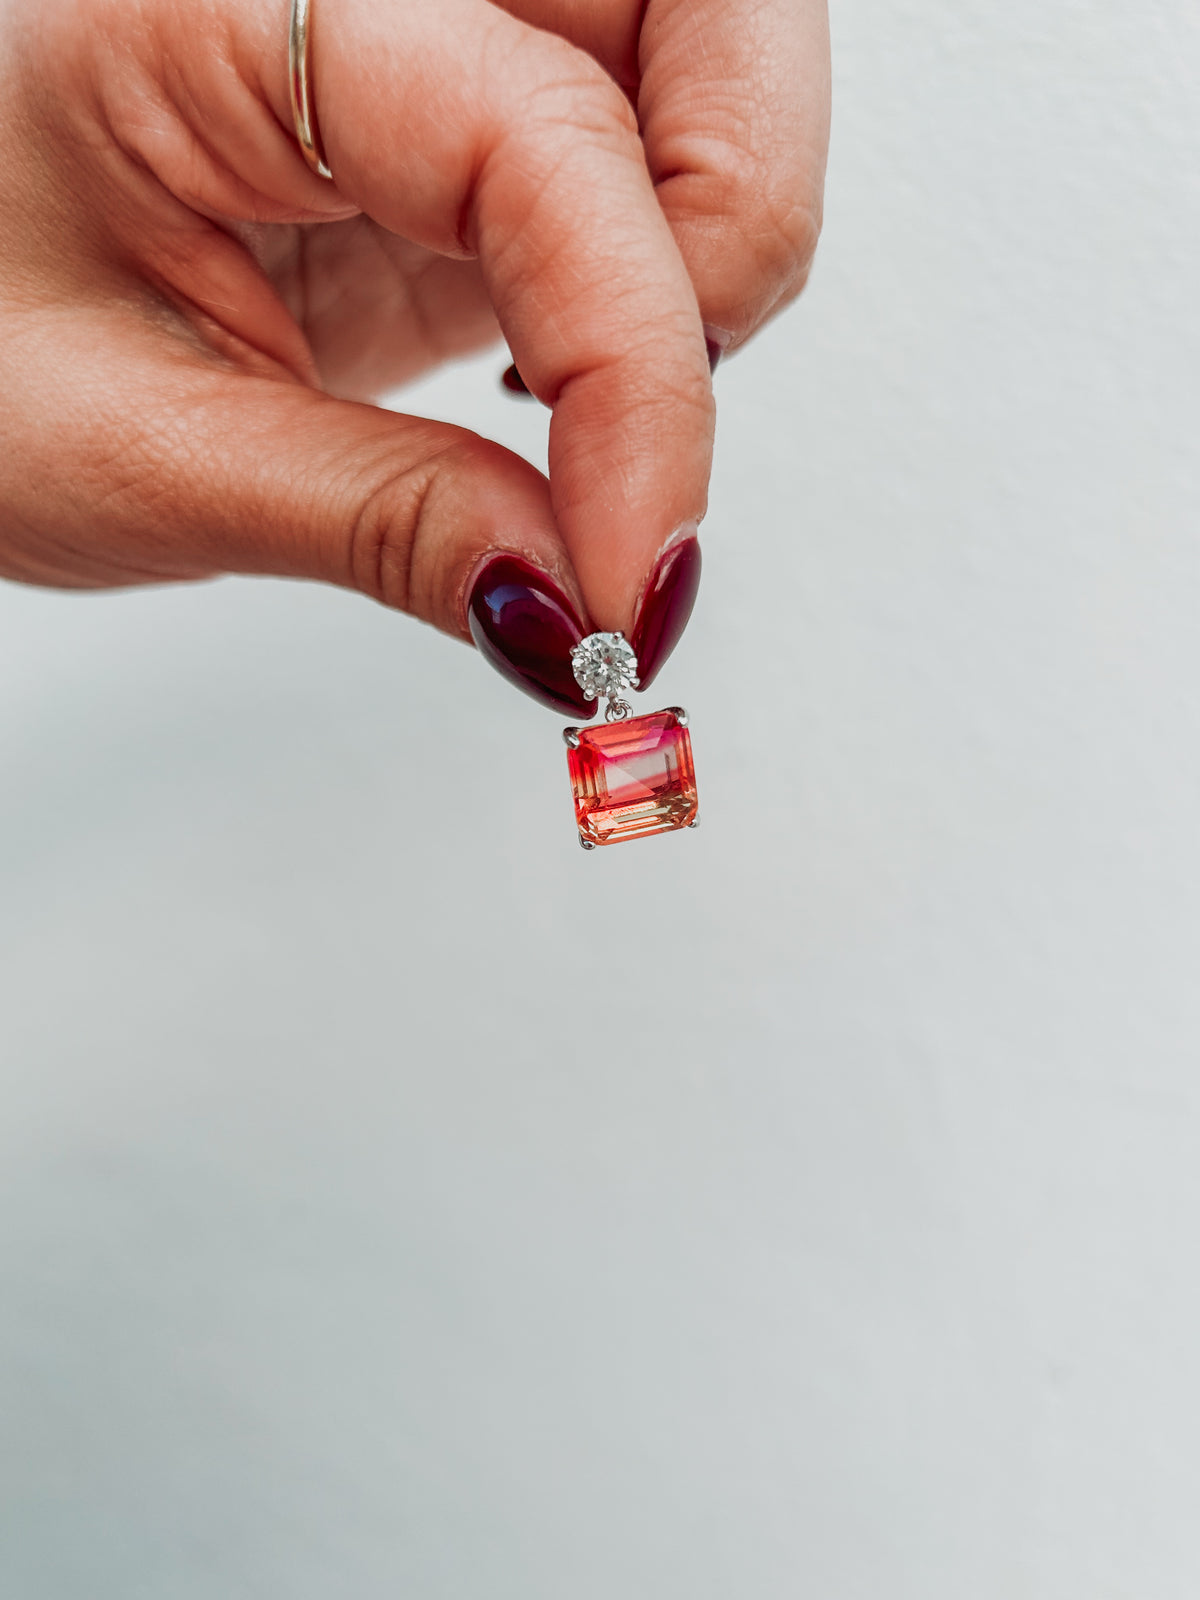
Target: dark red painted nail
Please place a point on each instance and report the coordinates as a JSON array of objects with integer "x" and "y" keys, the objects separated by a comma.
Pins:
[
  {"x": 714, "y": 354},
  {"x": 666, "y": 607},
  {"x": 525, "y": 626},
  {"x": 514, "y": 382}
]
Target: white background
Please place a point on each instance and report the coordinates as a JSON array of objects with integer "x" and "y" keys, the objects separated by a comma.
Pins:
[{"x": 397, "y": 1201}]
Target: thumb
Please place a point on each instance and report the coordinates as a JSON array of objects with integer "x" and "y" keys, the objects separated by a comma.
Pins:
[{"x": 177, "y": 468}]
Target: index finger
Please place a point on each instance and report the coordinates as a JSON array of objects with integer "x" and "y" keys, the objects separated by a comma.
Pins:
[{"x": 470, "y": 132}]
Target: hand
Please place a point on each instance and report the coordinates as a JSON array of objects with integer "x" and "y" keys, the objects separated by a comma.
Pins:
[{"x": 191, "y": 320}]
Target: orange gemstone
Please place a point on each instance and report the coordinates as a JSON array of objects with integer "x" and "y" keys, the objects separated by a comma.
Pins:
[{"x": 632, "y": 778}]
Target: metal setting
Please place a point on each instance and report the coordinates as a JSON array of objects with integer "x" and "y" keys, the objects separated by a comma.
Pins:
[
  {"x": 571, "y": 738},
  {"x": 617, "y": 710},
  {"x": 304, "y": 114},
  {"x": 694, "y": 823},
  {"x": 680, "y": 715},
  {"x": 587, "y": 844}
]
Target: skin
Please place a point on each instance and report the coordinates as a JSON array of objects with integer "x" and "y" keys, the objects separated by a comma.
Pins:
[{"x": 194, "y": 324}]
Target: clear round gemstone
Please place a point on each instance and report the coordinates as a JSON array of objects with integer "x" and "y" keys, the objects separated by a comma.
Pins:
[{"x": 603, "y": 663}]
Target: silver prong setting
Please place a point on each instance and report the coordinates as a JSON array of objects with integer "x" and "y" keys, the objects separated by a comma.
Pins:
[
  {"x": 695, "y": 822},
  {"x": 680, "y": 715},
  {"x": 585, "y": 843},
  {"x": 571, "y": 738}
]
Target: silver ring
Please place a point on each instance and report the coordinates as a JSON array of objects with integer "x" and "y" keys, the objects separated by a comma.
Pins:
[{"x": 304, "y": 114}]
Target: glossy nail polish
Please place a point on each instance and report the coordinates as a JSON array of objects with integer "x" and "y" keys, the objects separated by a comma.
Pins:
[
  {"x": 514, "y": 382},
  {"x": 715, "y": 341},
  {"x": 525, "y": 626},
  {"x": 666, "y": 606}
]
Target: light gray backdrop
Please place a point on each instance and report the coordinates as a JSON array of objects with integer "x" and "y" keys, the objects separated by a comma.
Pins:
[{"x": 396, "y": 1201}]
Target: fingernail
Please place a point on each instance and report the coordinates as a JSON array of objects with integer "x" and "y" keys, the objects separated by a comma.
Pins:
[
  {"x": 514, "y": 382},
  {"x": 666, "y": 604},
  {"x": 525, "y": 626},
  {"x": 715, "y": 341}
]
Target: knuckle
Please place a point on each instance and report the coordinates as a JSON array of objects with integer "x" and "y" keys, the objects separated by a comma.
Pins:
[
  {"x": 380, "y": 536},
  {"x": 564, "y": 88},
  {"x": 759, "y": 176},
  {"x": 781, "y": 212},
  {"x": 392, "y": 541},
  {"x": 793, "y": 222}
]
